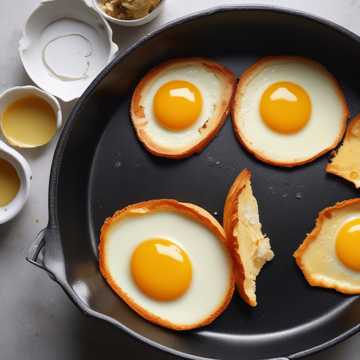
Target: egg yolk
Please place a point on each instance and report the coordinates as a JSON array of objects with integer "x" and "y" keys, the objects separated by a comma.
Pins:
[
  {"x": 177, "y": 105},
  {"x": 348, "y": 244},
  {"x": 285, "y": 107},
  {"x": 161, "y": 269}
]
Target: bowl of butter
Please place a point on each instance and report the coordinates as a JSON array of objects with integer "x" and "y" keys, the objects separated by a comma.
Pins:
[{"x": 29, "y": 117}]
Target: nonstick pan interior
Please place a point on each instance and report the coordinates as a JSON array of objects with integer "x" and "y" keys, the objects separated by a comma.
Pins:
[{"x": 100, "y": 167}]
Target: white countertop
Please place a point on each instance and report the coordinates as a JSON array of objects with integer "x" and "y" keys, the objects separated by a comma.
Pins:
[{"x": 52, "y": 337}]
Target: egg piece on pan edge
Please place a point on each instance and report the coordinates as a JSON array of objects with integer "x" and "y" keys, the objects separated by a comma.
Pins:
[
  {"x": 249, "y": 247},
  {"x": 346, "y": 160},
  {"x": 213, "y": 83},
  {"x": 329, "y": 257},
  {"x": 212, "y": 268},
  {"x": 281, "y": 149}
]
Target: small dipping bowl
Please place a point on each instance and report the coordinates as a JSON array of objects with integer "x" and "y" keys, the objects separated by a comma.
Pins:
[
  {"x": 19, "y": 92},
  {"x": 23, "y": 171},
  {"x": 131, "y": 23}
]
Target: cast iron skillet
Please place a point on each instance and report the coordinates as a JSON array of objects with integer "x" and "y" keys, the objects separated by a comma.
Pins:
[{"x": 99, "y": 166}]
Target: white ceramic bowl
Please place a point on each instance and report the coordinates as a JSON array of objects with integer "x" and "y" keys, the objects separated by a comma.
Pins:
[
  {"x": 65, "y": 44},
  {"x": 18, "y": 92},
  {"x": 138, "y": 22},
  {"x": 23, "y": 170}
]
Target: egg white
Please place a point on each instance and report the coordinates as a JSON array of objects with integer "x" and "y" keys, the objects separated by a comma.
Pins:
[
  {"x": 320, "y": 133},
  {"x": 211, "y": 269},
  {"x": 211, "y": 91},
  {"x": 320, "y": 260}
]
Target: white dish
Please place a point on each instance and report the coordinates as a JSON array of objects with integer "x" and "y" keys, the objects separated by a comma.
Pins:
[
  {"x": 23, "y": 170},
  {"x": 65, "y": 44},
  {"x": 18, "y": 92},
  {"x": 138, "y": 22}
]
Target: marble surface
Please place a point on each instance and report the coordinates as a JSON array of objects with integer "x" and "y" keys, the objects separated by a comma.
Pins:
[{"x": 37, "y": 327}]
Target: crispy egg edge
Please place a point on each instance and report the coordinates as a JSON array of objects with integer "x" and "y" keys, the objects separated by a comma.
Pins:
[
  {"x": 230, "y": 222},
  {"x": 331, "y": 167}
]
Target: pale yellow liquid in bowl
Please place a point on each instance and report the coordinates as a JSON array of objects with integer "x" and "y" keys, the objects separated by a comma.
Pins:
[
  {"x": 29, "y": 122},
  {"x": 9, "y": 183}
]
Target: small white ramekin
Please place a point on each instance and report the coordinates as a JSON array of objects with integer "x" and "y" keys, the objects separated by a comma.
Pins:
[
  {"x": 18, "y": 92},
  {"x": 23, "y": 170},
  {"x": 131, "y": 23}
]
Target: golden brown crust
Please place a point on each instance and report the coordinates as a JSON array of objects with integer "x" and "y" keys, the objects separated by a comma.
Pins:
[
  {"x": 190, "y": 210},
  {"x": 247, "y": 76},
  {"x": 212, "y": 126},
  {"x": 331, "y": 168},
  {"x": 230, "y": 222},
  {"x": 298, "y": 254}
]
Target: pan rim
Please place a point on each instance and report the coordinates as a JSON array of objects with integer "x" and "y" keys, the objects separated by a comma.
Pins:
[{"x": 63, "y": 140}]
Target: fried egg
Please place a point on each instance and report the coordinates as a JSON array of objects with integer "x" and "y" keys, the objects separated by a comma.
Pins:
[
  {"x": 329, "y": 257},
  {"x": 249, "y": 247},
  {"x": 179, "y": 106},
  {"x": 163, "y": 258},
  {"x": 346, "y": 161},
  {"x": 288, "y": 110}
]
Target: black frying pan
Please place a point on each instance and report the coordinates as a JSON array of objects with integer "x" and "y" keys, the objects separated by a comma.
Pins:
[{"x": 99, "y": 166}]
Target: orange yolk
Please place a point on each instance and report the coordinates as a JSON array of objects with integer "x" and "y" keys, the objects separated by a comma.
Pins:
[
  {"x": 177, "y": 105},
  {"x": 161, "y": 269},
  {"x": 285, "y": 107},
  {"x": 348, "y": 244}
]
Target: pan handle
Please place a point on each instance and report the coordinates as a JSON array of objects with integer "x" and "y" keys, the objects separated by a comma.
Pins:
[
  {"x": 52, "y": 262},
  {"x": 33, "y": 256}
]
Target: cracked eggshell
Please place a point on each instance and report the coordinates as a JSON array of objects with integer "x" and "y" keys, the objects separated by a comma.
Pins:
[{"x": 64, "y": 46}]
